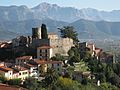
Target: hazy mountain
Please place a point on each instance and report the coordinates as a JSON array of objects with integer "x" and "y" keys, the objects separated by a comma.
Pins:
[
  {"x": 16, "y": 20},
  {"x": 55, "y": 12},
  {"x": 97, "y": 29},
  {"x": 85, "y": 28},
  {"x": 7, "y": 35},
  {"x": 25, "y": 27}
]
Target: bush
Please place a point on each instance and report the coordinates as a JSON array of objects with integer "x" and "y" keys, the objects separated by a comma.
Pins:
[{"x": 14, "y": 82}]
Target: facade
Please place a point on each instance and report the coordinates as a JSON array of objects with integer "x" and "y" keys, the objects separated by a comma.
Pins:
[
  {"x": 44, "y": 52},
  {"x": 6, "y": 72},
  {"x": 60, "y": 45},
  {"x": 44, "y": 65},
  {"x": 33, "y": 70},
  {"x": 52, "y": 36},
  {"x": 23, "y": 59},
  {"x": 20, "y": 72},
  {"x": 89, "y": 47}
]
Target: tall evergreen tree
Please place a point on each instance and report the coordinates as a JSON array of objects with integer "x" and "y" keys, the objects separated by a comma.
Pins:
[
  {"x": 68, "y": 31},
  {"x": 44, "y": 32}
]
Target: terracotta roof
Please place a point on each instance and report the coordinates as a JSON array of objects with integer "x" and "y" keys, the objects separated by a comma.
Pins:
[
  {"x": 29, "y": 65},
  {"x": 45, "y": 47},
  {"x": 7, "y": 87},
  {"x": 47, "y": 62},
  {"x": 20, "y": 68},
  {"x": 1, "y": 71},
  {"x": 5, "y": 69},
  {"x": 24, "y": 58}
]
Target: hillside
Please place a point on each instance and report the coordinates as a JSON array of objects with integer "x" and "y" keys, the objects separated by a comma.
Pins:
[{"x": 85, "y": 28}]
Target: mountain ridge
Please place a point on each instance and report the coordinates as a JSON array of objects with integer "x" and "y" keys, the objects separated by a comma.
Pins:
[
  {"x": 91, "y": 23},
  {"x": 53, "y": 11}
]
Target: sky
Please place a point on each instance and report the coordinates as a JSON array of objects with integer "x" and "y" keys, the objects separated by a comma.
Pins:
[{"x": 106, "y": 5}]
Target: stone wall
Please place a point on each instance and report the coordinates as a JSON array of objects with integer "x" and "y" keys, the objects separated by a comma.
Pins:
[{"x": 61, "y": 45}]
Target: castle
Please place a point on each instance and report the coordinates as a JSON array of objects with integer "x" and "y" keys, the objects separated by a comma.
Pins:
[{"x": 57, "y": 44}]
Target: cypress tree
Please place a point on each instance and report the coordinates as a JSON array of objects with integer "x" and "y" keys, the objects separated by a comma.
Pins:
[{"x": 44, "y": 32}]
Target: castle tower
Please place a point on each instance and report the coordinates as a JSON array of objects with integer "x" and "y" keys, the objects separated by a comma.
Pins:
[{"x": 36, "y": 33}]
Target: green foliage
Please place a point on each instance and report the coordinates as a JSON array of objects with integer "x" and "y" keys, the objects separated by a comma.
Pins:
[
  {"x": 84, "y": 81},
  {"x": 58, "y": 57},
  {"x": 22, "y": 53},
  {"x": 116, "y": 68},
  {"x": 44, "y": 32},
  {"x": 71, "y": 53},
  {"x": 31, "y": 84},
  {"x": 81, "y": 66},
  {"x": 102, "y": 77},
  {"x": 74, "y": 55},
  {"x": 70, "y": 71},
  {"x": 68, "y": 31},
  {"x": 87, "y": 56},
  {"x": 2, "y": 79},
  {"x": 14, "y": 82},
  {"x": 108, "y": 86},
  {"x": 115, "y": 80},
  {"x": 109, "y": 72},
  {"x": 50, "y": 78},
  {"x": 67, "y": 84}
]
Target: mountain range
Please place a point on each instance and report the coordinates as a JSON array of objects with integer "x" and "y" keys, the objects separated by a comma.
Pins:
[{"x": 89, "y": 23}]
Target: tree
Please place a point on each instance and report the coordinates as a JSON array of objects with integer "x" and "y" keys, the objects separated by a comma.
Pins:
[
  {"x": 2, "y": 79},
  {"x": 109, "y": 72},
  {"x": 50, "y": 79},
  {"x": 67, "y": 84},
  {"x": 58, "y": 57},
  {"x": 31, "y": 83},
  {"x": 69, "y": 32},
  {"x": 115, "y": 80},
  {"x": 84, "y": 81},
  {"x": 44, "y": 32},
  {"x": 74, "y": 55}
]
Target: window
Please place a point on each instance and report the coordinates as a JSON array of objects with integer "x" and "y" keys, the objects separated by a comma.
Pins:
[
  {"x": 58, "y": 64},
  {"x": 40, "y": 54},
  {"x": 40, "y": 51},
  {"x": 46, "y": 50},
  {"x": 19, "y": 73}
]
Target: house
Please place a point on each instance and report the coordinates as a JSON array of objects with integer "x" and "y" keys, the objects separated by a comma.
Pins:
[
  {"x": 33, "y": 69},
  {"x": 6, "y": 72},
  {"x": 21, "y": 71},
  {"x": 23, "y": 59},
  {"x": 43, "y": 65},
  {"x": 97, "y": 52},
  {"x": 84, "y": 46},
  {"x": 44, "y": 52}
]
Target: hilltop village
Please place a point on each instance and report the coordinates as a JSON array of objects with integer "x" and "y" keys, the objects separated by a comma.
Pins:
[{"x": 46, "y": 60}]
